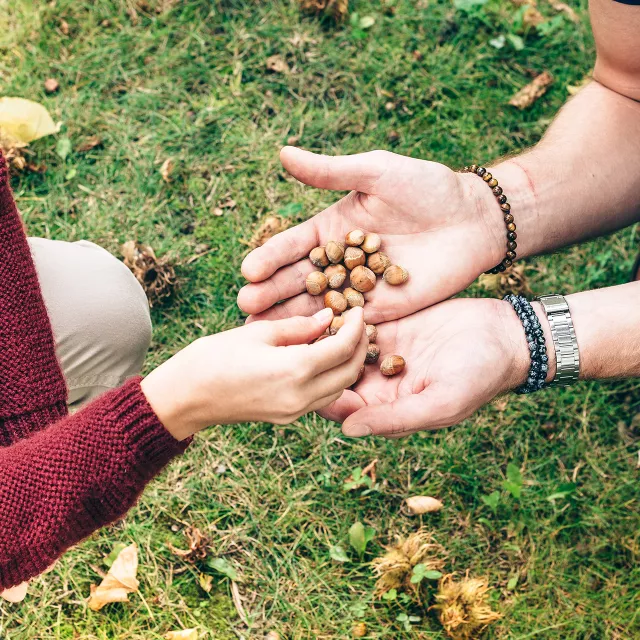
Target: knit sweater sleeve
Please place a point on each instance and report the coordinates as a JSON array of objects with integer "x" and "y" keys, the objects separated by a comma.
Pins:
[{"x": 74, "y": 476}]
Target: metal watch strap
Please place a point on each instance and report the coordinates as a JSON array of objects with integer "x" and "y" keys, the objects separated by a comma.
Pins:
[{"x": 564, "y": 339}]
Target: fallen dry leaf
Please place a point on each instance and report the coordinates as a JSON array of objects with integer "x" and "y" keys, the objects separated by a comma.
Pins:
[
  {"x": 336, "y": 8},
  {"x": 359, "y": 630},
  {"x": 64, "y": 27},
  {"x": 277, "y": 64},
  {"x": 513, "y": 280},
  {"x": 89, "y": 143},
  {"x": 206, "y": 582},
  {"x": 531, "y": 92},
  {"x": 562, "y": 7},
  {"x": 51, "y": 85},
  {"x": 269, "y": 227},
  {"x": 531, "y": 18},
  {"x": 184, "y": 634},
  {"x": 166, "y": 169},
  {"x": 417, "y": 505},
  {"x": 119, "y": 582},
  {"x": 156, "y": 275},
  {"x": 198, "y": 546},
  {"x": 24, "y": 121}
]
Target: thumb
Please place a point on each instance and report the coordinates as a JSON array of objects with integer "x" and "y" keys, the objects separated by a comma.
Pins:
[
  {"x": 299, "y": 329},
  {"x": 358, "y": 172}
]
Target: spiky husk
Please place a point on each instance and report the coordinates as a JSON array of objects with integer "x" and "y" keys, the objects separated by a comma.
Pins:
[
  {"x": 463, "y": 608},
  {"x": 394, "y": 568}
]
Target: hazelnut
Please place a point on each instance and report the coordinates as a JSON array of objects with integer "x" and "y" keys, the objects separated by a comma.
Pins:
[
  {"x": 354, "y": 238},
  {"x": 372, "y": 332},
  {"x": 371, "y": 243},
  {"x": 392, "y": 365},
  {"x": 318, "y": 257},
  {"x": 336, "y": 325},
  {"x": 395, "y": 275},
  {"x": 354, "y": 257},
  {"x": 335, "y": 301},
  {"x": 316, "y": 283},
  {"x": 363, "y": 279},
  {"x": 336, "y": 275},
  {"x": 334, "y": 251},
  {"x": 373, "y": 353},
  {"x": 354, "y": 298},
  {"x": 378, "y": 262}
]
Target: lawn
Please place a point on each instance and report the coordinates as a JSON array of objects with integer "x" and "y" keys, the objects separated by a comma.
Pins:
[{"x": 189, "y": 80}]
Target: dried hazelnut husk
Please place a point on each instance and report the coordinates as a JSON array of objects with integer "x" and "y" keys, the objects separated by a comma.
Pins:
[
  {"x": 378, "y": 262},
  {"x": 354, "y": 238},
  {"x": 392, "y": 365},
  {"x": 335, "y": 301},
  {"x": 362, "y": 279},
  {"x": 395, "y": 275},
  {"x": 372, "y": 332},
  {"x": 373, "y": 353},
  {"x": 316, "y": 283},
  {"x": 334, "y": 251},
  {"x": 354, "y": 257},
  {"x": 336, "y": 325},
  {"x": 371, "y": 243},
  {"x": 318, "y": 257},
  {"x": 336, "y": 275},
  {"x": 354, "y": 298}
]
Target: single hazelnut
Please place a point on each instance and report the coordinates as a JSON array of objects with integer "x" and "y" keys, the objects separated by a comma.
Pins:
[
  {"x": 318, "y": 257},
  {"x": 354, "y": 238},
  {"x": 371, "y": 243},
  {"x": 354, "y": 298},
  {"x": 335, "y": 301},
  {"x": 336, "y": 275},
  {"x": 354, "y": 257},
  {"x": 316, "y": 283},
  {"x": 392, "y": 365},
  {"x": 373, "y": 353},
  {"x": 334, "y": 251},
  {"x": 395, "y": 275},
  {"x": 336, "y": 325},
  {"x": 372, "y": 332},
  {"x": 378, "y": 262},
  {"x": 362, "y": 279}
]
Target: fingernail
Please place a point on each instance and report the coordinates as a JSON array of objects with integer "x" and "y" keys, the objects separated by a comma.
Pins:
[
  {"x": 323, "y": 315},
  {"x": 356, "y": 430}
]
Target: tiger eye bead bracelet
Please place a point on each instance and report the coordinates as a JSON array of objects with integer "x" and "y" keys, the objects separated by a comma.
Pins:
[{"x": 506, "y": 211}]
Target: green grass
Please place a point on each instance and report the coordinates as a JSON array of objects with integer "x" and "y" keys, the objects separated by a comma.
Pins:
[{"x": 190, "y": 83}]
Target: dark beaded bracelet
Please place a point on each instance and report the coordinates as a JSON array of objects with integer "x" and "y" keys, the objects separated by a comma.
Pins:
[
  {"x": 510, "y": 255},
  {"x": 537, "y": 345}
]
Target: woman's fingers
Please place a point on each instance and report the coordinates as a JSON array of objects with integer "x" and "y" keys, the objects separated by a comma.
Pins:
[
  {"x": 285, "y": 283},
  {"x": 297, "y": 330}
]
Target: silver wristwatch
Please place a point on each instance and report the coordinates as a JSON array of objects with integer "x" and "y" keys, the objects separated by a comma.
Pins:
[{"x": 564, "y": 339}]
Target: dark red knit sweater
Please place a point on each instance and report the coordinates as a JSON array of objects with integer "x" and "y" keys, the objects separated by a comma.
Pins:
[{"x": 61, "y": 477}]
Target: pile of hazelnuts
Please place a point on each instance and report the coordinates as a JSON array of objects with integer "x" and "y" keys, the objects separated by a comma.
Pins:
[{"x": 359, "y": 261}]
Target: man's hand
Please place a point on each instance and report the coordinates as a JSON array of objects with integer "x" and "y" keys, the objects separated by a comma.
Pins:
[
  {"x": 445, "y": 228},
  {"x": 460, "y": 354}
]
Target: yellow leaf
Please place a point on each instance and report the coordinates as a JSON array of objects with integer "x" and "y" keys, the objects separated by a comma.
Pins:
[
  {"x": 119, "y": 582},
  {"x": 166, "y": 169},
  {"x": 422, "y": 504},
  {"x": 25, "y": 121},
  {"x": 184, "y": 634}
]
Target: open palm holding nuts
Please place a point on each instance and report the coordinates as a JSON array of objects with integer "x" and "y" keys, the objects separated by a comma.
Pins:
[{"x": 347, "y": 271}]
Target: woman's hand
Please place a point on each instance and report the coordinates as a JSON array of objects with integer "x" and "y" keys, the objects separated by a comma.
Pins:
[
  {"x": 460, "y": 354},
  {"x": 445, "y": 228},
  {"x": 264, "y": 371}
]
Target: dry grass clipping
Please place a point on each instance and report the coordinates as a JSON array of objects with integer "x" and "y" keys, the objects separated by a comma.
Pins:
[
  {"x": 463, "y": 608},
  {"x": 394, "y": 568},
  {"x": 156, "y": 275},
  {"x": 336, "y": 8}
]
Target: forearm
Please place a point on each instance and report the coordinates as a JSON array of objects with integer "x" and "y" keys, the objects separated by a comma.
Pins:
[{"x": 582, "y": 180}]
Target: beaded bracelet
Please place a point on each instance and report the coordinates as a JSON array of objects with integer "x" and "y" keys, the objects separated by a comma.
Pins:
[
  {"x": 506, "y": 210},
  {"x": 536, "y": 342}
]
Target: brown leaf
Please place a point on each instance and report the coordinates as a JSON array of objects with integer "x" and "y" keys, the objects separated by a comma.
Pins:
[
  {"x": 336, "y": 8},
  {"x": 166, "y": 169},
  {"x": 531, "y": 18},
  {"x": 89, "y": 143},
  {"x": 119, "y": 582},
  {"x": 51, "y": 85},
  {"x": 198, "y": 546},
  {"x": 268, "y": 228},
  {"x": 64, "y": 27},
  {"x": 531, "y": 92},
  {"x": 156, "y": 275},
  {"x": 562, "y": 7},
  {"x": 183, "y": 634},
  {"x": 370, "y": 470},
  {"x": 277, "y": 64},
  {"x": 417, "y": 505}
]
